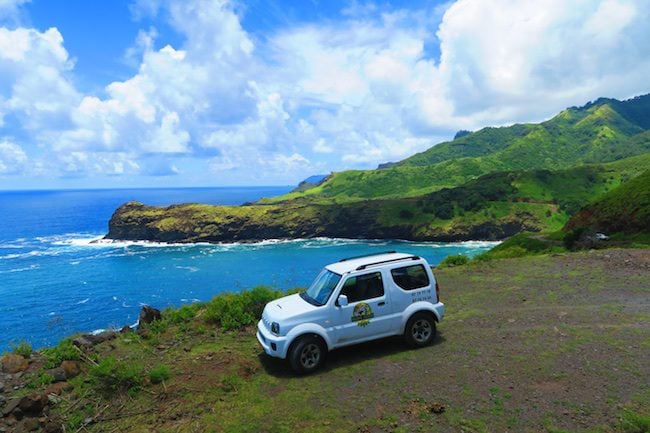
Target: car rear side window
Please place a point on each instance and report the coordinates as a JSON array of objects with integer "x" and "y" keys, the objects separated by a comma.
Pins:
[
  {"x": 363, "y": 287},
  {"x": 410, "y": 277}
]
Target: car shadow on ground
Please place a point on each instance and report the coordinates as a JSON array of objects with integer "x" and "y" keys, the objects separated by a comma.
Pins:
[{"x": 346, "y": 356}]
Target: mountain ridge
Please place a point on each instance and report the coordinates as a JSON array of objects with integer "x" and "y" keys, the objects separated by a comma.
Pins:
[
  {"x": 527, "y": 177},
  {"x": 593, "y": 133}
]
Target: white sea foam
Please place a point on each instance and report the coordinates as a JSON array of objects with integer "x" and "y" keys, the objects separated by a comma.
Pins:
[
  {"x": 80, "y": 240},
  {"x": 33, "y": 253},
  {"x": 73, "y": 239},
  {"x": 12, "y": 246},
  {"x": 188, "y": 268},
  {"x": 146, "y": 244},
  {"x": 83, "y": 301},
  {"x": 28, "y": 268},
  {"x": 463, "y": 244}
]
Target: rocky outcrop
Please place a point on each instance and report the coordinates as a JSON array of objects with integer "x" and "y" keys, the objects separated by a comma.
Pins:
[
  {"x": 87, "y": 341},
  {"x": 12, "y": 363},
  {"x": 149, "y": 314}
]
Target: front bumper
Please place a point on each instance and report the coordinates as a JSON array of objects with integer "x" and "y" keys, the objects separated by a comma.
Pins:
[{"x": 273, "y": 345}]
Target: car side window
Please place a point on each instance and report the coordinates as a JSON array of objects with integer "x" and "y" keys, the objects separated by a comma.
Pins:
[
  {"x": 363, "y": 287},
  {"x": 410, "y": 277}
]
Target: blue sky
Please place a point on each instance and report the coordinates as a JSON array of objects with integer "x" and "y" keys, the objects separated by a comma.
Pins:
[{"x": 214, "y": 92}]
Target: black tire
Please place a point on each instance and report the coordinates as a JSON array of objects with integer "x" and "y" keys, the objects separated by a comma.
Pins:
[
  {"x": 307, "y": 354},
  {"x": 420, "y": 330}
]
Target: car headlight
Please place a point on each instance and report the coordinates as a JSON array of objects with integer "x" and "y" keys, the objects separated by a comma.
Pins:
[{"x": 275, "y": 328}]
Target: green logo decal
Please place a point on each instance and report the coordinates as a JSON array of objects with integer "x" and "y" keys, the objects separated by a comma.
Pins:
[{"x": 362, "y": 312}]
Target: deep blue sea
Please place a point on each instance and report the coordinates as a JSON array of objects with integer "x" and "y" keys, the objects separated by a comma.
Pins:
[{"x": 55, "y": 282}]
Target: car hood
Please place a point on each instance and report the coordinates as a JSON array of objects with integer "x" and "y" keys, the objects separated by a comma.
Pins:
[{"x": 287, "y": 307}]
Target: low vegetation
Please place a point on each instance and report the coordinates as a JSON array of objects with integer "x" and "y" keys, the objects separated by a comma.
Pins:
[
  {"x": 547, "y": 343},
  {"x": 454, "y": 260},
  {"x": 624, "y": 210},
  {"x": 22, "y": 348}
]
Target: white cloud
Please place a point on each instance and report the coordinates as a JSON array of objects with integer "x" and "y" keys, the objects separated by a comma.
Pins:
[
  {"x": 88, "y": 164},
  {"x": 337, "y": 94},
  {"x": 10, "y": 9},
  {"x": 35, "y": 83},
  {"x": 525, "y": 59},
  {"x": 12, "y": 157},
  {"x": 321, "y": 146}
]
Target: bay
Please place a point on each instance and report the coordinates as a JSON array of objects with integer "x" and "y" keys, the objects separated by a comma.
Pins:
[{"x": 55, "y": 281}]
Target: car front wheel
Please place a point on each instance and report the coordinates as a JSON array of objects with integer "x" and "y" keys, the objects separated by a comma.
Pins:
[
  {"x": 420, "y": 330},
  {"x": 306, "y": 354}
]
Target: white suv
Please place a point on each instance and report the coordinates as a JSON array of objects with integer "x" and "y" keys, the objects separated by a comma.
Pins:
[{"x": 351, "y": 301}]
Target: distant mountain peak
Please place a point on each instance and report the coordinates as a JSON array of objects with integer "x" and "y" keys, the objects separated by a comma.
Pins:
[{"x": 311, "y": 182}]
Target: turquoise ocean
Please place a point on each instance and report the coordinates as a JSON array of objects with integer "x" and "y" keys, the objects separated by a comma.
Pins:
[{"x": 55, "y": 281}]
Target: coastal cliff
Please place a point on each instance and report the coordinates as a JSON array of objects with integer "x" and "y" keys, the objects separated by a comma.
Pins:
[{"x": 205, "y": 223}]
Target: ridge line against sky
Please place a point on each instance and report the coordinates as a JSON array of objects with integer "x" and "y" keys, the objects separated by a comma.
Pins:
[{"x": 215, "y": 92}]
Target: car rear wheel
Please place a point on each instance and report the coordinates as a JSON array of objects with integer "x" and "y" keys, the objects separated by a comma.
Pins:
[
  {"x": 420, "y": 330},
  {"x": 307, "y": 354}
]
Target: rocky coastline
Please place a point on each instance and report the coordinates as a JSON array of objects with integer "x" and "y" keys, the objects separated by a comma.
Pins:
[
  {"x": 194, "y": 223},
  {"x": 26, "y": 412}
]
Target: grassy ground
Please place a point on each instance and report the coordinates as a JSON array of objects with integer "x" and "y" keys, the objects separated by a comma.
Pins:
[{"x": 555, "y": 343}]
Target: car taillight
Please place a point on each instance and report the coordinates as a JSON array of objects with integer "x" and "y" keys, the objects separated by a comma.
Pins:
[{"x": 437, "y": 291}]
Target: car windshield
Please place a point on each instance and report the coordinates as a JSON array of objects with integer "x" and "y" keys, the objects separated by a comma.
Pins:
[{"x": 322, "y": 287}]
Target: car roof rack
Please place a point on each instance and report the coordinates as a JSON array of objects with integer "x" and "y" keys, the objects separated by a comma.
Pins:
[
  {"x": 367, "y": 255},
  {"x": 387, "y": 261}
]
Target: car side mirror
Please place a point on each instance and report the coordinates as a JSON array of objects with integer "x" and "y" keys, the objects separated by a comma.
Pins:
[{"x": 342, "y": 301}]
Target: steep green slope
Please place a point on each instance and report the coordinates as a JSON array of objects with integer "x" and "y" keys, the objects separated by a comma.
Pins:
[
  {"x": 603, "y": 131},
  {"x": 625, "y": 209},
  {"x": 481, "y": 143}
]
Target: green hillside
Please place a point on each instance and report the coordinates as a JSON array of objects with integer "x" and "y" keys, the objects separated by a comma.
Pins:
[
  {"x": 493, "y": 206},
  {"x": 625, "y": 209},
  {"x": 490, "y": 184},
  {"x": 603, "y": 131}
]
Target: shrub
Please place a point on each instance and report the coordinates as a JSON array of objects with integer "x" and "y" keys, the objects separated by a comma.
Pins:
[
  {"x": 581, "y": 238},
  {"x": 234, "y": 310},
  {"x": 183, "y": 314},
  {"x": 632, "y": 422},
  {"x": 229, "y": 311},
  {"x": 257, "y": 299},
  {"x": 44, "y": 379},
  {"x": 159, "y": 374},
  {"x": 65, "y": 351},
  {"x": 115, "y": 375},
  {"x": 23, "y": 349},
  {"x": 506, "y": 253},
  {"x": 454, "y": 260},
  {"x": 445, "y": 211},
  {"x": 525, "y": 242},
  {"x": 156, "y": 327}
]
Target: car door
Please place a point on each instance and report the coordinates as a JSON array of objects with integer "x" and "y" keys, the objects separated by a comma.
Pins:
[{"x": 367, "y": 313}]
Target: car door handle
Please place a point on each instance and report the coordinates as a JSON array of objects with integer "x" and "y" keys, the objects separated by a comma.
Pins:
[{"x": 381, "y": 303}]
